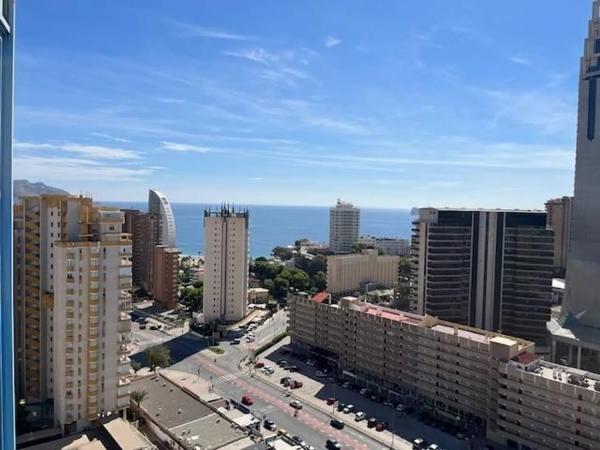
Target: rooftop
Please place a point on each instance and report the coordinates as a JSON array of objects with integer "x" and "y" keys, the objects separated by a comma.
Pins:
[
  {"x": 320, "y": 297},
  {"x": 471, "y": 335},
  {"x": 561, "y": 374},
  {"x": 499, "y": 210}
]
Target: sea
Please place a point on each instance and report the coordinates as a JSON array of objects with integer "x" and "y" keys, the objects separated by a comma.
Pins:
[{"x": 271, "y": 226}]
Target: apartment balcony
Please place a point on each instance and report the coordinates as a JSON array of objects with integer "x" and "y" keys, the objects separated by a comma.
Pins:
[
  {"x": 125, "y": 283},
  {"x": 126, "y": 253},
  {"x": 125, "y": 262},
  {"x": 123, "y": 350},
  {"x": 124, "y": 369}
]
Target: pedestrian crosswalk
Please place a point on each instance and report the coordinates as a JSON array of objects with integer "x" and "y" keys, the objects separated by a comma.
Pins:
[{"x": 226, "y": 378}]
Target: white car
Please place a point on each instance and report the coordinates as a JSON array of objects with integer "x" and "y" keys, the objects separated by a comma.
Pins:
[{"x": 360, "y": 416}]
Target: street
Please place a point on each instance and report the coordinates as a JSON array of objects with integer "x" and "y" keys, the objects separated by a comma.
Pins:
[{"x": 230, "y": 382}]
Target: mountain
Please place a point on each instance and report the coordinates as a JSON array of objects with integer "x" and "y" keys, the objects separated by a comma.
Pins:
[{"x": 24, "y": 187}]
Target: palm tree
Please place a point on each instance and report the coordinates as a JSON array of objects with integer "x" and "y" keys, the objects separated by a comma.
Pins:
[{"x": 137, "y": 397}]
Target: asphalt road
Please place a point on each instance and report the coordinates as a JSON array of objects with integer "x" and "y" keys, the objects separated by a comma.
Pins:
[{"x": 230, "y": 382}]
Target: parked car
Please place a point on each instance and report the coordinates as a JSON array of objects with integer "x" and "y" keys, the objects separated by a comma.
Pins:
[
  {"x": 142, "y": 327},
  {"x": 268, "y": 370},
  {"x": 247, "y": 400},
  {"x": 332, "y": 444},
  {"x": 250, "y": 339},
  {"x": 348, "y": 409},
  {"x": 270, "y": 424},
  {"x": 419, "y": 444},
  {"x": 341, "y": 406},
  {"x": 282, "y": 362},
  {"x": 292, "y": 368},
  {"x": 433, "y": 447},
  {"x": 294, "y": 384},
  {"x": 330, "y": 400},
  {"x": 297, "y": 439},
  {"x": 360, "y": 416},
  {"x": 382, "y": 425},
  {"x": 154, "y": 327},
  {"x": 285, "y": 380},
  {"x": 320, "y": 374},
  {"x": 336, "y": 423},
  {"x": 310, "y": 362},
  {"x": 236, "y": 341},
  {"x": 372, "y": 421},
  {"x": 296, "y": 404},
  {"x": 365, "y": 392},
  {"x": 400, "y": 407},
  {"x": 346, "y": 385},
  {"x": 259, "y": 364}
]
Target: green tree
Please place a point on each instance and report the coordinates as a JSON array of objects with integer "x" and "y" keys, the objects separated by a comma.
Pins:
[
  {"x": 319, "y": 281},
  {"x": 192, "y": 296},
  {"x": 136, "y": 365},
  {"x": 359, "y": 247},
  {"x": 137, "y": 397},
  {"x": 265, "y": 270},
  {"x": 297, "y": 278},
  {"x": 157, "y": 356},
  {"x": 198, "y": 284},
  {"x": 281, "y": 287},
  {"x": 283, "y": 253}
]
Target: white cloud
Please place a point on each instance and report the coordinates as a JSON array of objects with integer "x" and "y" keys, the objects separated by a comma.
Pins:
[
  {"x": 61, "y": 169},
  {"x": 108, "y": 136},
  {"x": 211, "y": 33},
  {"x": 520, "y": 60},
  {"x": 178, "y": 147},
  {"x": 332, "y": 41},
  {"x": 170, "y": 100},
  {"x": 257, "y": 54},
  {"x": 92, "y": 151}
]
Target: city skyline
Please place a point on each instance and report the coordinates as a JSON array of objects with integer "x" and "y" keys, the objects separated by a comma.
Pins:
[{"x": 256, "y": 111}]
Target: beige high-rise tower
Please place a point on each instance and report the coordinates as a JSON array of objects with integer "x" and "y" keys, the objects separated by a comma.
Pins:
[
  {"x": 72, "y": 281},
  {"x": 225, "y": 265}
]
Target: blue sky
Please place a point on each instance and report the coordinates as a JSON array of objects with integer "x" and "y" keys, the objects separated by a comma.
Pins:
[{"x": 386, "y": 104}]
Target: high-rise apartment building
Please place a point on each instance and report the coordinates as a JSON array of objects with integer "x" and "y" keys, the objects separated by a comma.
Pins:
[
  {"x": 145, "y": 233},
  {"x": 159, "y": 205},
  {"x": 72, "y": 280},
  {"x": 344, "y": 226},
  {"x": 165, "y": 285},
  {"x": 350, "y": 273},
  {"x": 460, "y": 375},
  {"x": 576, "y": 334},
  {"x": 7, "y": 396},
  {"x": 225, "y": 264},
  {"x": 558, "y": 212},
  {"x": 490, "y": 269}
]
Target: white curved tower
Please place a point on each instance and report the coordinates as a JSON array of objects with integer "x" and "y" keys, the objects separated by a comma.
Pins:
[{"x": 159, "y": 204}]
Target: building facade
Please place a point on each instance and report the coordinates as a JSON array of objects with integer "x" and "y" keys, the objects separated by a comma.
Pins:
[
  {"x": 558, "y": 213},
  {"x": 72, "y": 280},
  {"x": 490, "y": 269},
  {"x": 576, "y": 333},
  {"x": 347, "y": 274},
  {"x": 388, "y": 246},
  {"x": 159, "y": 205},
  {"x": 146, "y": 234},
  {"x": 7, "y": 395},
  {"x": 225, "y": 265},
  {"x": 165, "y": 286},
  {"x": 344, "y": 226},
  {"x": 461, "y": 375}
]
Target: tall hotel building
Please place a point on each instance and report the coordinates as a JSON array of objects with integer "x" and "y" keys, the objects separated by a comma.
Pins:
[
  {"x": 72, "y": 279},
  {"x": 576, "y": 334},
  {"x": 159, "y": 205},
  {"x": 344, "y": 227},
  {"x": 7, "y": 397},
  {"x": 489, "y": 269},
  {"x": 225, "y": 265}
]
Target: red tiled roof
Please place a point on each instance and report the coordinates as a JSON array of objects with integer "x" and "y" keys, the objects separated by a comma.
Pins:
[
  {"x": 526, "y": 358},
  {"x": 320, "y": 297}
]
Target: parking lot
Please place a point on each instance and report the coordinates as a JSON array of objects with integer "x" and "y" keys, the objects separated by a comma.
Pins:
[{"x": 405, "y": 422}]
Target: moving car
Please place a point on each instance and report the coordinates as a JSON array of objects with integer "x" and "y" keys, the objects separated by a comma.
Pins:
[
  {"x": 332, "y": 444},
  {"x": 270, "y": 424},
  {"x": 296, "y": 404},
  {"x": 360, "y": 416},
  {"x": 247, "y": 400},
  {"x": 336, "y": 423}
]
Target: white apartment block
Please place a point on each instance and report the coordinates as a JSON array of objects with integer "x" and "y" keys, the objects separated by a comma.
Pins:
[
  {"x": 72, "y": 281},
  {"x": 349, "y": 273},
  {"x": 388, "y": 246},
  {"x": 225, "y": 265},
  {"x": 344, "y": 225}
]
